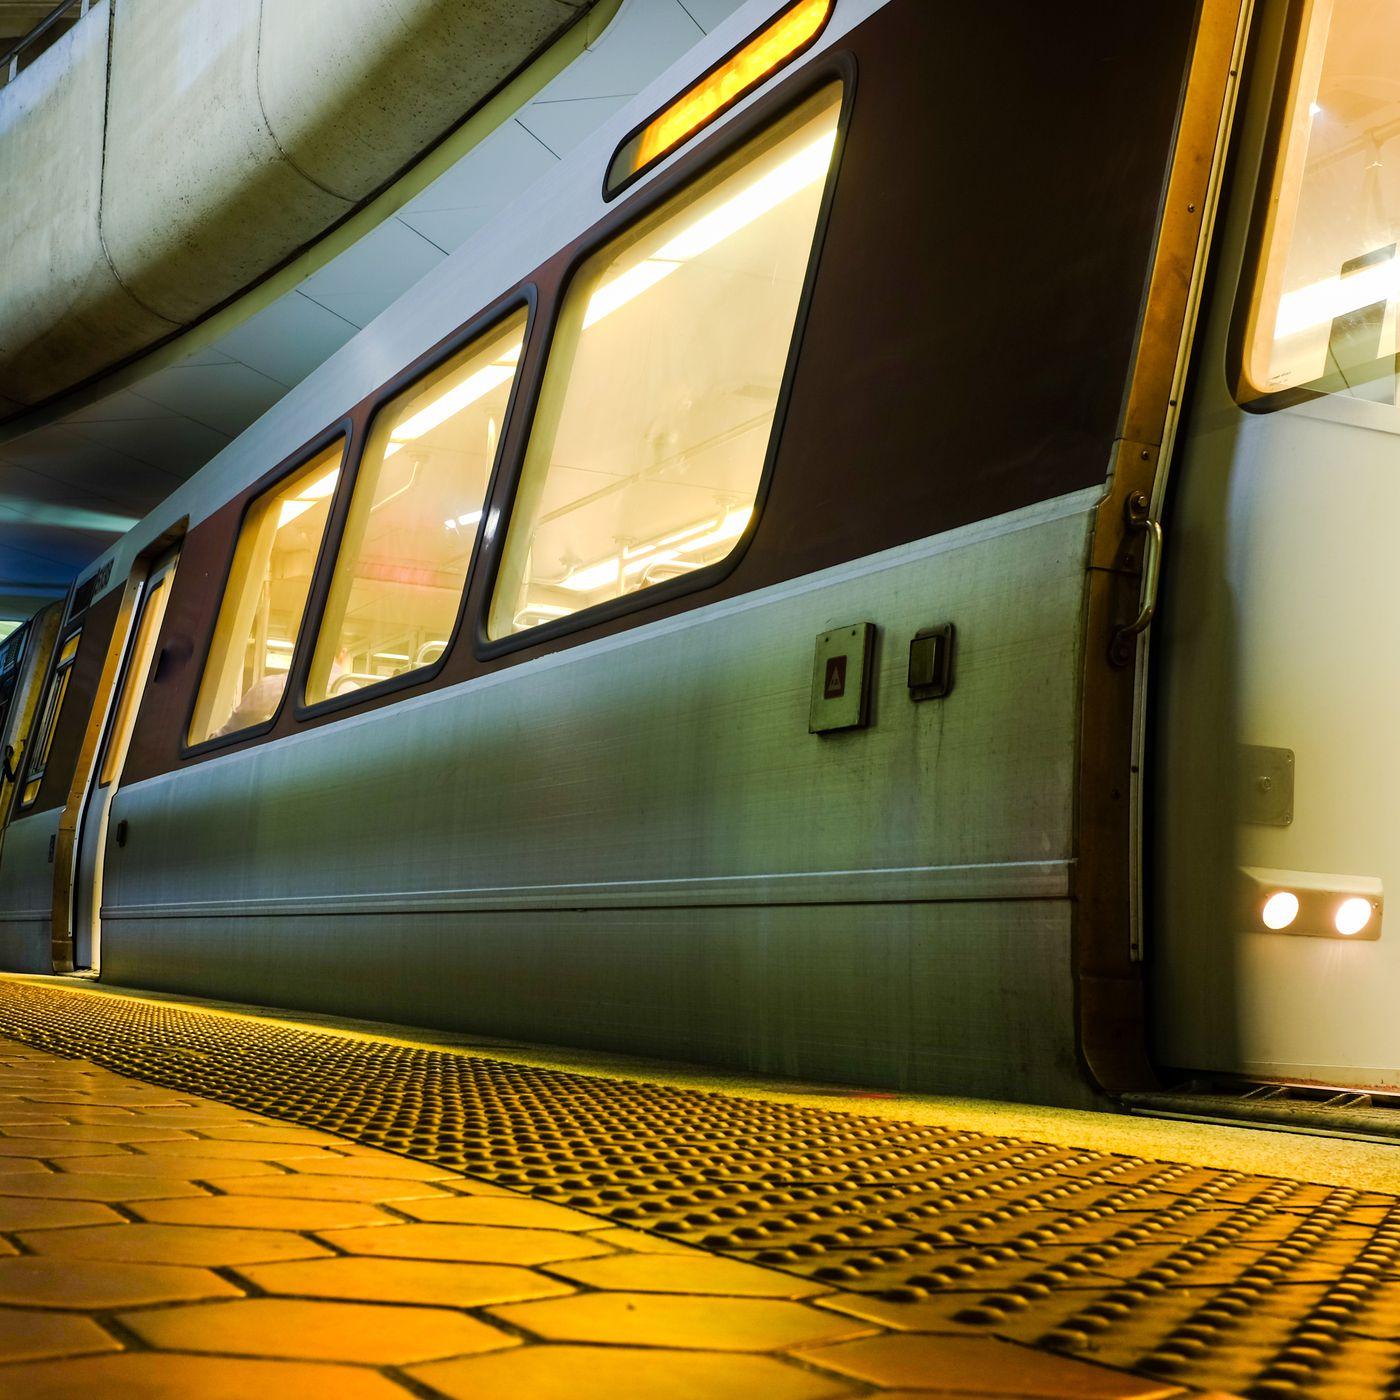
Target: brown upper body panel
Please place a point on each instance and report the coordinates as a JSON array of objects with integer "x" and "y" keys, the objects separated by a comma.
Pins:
[{"x": 966, "y": 341}]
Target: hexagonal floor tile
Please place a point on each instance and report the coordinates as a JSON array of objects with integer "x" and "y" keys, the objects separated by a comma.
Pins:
[
  {"x": 258, "y": 1213},
  {"x": 605, "y": 1373},
  {"x": 9, "y": 1165},
  {"x": 173, "y": 1244},
  {"x": 150, "y": 1376},
  {"x": 678, "y": 1320},
  {"x": 323, "y": 1188},
  {"x": 191, "y": 1168},
  {"x": 70, "y": 1283},
  {"x": 981, "y": 1366},
  {"x": 520, "y": 1212},
  {"x": 404, "y": 1281},
  {"x": 475, "y": 1244},
  {"x": 295, "y": 1329},
  {"x": 639, "y": 1242},
  {"x": 681, "y": 1273},
  {"x": 19, "y": 1214},
  {"x": 89, "y": 1186},
  {"x": 56, "y": 1147},
  {"x": 378, "y": 1164},
  {"x": 111, "y": 1132},
  {"x": 243, "y": 1131},
  {"x": 241, "y": 1151},
  {"x": 32, "y": 1336}
]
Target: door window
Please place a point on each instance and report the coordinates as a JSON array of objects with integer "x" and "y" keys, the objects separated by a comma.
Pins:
[
  {"x": 138, "y": 671},
  {"x": 49, "y": 716},
  {"x": 1324, "y": 311}
]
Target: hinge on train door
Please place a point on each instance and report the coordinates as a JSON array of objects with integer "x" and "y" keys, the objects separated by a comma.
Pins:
[{"x": 1137, "y": 511}]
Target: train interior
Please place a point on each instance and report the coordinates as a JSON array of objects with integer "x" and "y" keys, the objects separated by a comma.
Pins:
[{"x": 1276, "y": 766}]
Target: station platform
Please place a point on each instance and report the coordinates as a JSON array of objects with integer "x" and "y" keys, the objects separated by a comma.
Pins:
[{"x": 200, "y": 1200}]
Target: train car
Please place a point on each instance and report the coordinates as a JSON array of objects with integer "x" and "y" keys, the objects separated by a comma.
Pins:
[
  {"x": 24, "y": 664},
  {"x": 709, "y": 616}
]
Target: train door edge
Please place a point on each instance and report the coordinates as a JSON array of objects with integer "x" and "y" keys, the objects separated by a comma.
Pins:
[
  {"x": 1123, "y": 567},
  {"x": 82, "y": 831}
]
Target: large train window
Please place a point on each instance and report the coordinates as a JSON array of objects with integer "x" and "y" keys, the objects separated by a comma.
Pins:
[
  {"x": 260, "y": 615},
  {"x": 1323, "y": 316},
  {"x": 414, "y": 519},
  {"x": 647, "y": 448},
  {"x": 48, "y": 717}
]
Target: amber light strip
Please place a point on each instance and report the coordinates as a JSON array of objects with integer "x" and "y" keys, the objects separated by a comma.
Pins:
[{"x": 765, "y": 52}]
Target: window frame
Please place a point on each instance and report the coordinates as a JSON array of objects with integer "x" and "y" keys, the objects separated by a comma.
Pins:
[
  {"x": 342, "y": 430},
  {"x": 47, "y": 716},
  {"x": 523, "y": 298},
  {"x": 722, "y": 142},
  {"x": 1272, "y": 157}
]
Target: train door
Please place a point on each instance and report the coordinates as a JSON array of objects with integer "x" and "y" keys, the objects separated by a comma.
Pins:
[
  {"x": 12, "y": 653},
  {"x": 1276, "y": 721},
  {"x": 111, "y": 756},
  {"x": 30, "y": 649}
]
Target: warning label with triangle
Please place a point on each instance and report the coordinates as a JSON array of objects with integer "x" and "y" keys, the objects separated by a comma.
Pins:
[{"x": 835, "y": 678}]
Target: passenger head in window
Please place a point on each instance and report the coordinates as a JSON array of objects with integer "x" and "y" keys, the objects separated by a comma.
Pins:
[{"x": 259, "y": 702}]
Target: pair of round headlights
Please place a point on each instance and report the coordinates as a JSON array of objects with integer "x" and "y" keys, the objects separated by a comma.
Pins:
[{"x": 1350, "y": 917}]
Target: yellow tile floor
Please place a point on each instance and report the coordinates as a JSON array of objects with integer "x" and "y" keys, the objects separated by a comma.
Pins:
[{"x": 155, "y": 1244}]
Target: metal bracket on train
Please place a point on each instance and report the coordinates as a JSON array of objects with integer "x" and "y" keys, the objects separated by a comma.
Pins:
[{"x": 1137, "y": 511}]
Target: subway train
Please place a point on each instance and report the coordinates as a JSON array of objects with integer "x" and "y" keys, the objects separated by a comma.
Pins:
[{"x": 872, "y": 571}]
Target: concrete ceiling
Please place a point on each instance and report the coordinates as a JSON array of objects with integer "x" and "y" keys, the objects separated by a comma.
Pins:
[{"x": 69, "y": 487}]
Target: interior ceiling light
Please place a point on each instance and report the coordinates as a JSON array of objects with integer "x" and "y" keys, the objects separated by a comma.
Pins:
[
  {"x": 781, "y": 41},
  {"x": 307, "y": 497},
  {"x": 797, "y": 173},
  {"x": 1320, "y": 303}
]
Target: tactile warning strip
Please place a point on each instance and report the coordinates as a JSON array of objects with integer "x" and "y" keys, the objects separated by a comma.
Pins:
[{"x": 1213, "y": 1278}]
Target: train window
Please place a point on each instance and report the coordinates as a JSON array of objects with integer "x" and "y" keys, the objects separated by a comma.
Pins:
[
  {"x": 134, "y": 686},
  {"x": 260, "y": 615},
  {"x": 658, "y": 400},
  {"x": 48, "y": 721},
  {"x": 414, "y": 518},
  {"x": 1324, "y": 311}
]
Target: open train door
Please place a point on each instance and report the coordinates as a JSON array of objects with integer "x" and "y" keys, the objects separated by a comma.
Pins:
[
  {"x": 1274, "y": 820},
  {"x": 110, "y": 756}
]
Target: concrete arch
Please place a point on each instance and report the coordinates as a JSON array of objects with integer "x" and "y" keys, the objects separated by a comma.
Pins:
[{"x": 166, "y": 157}]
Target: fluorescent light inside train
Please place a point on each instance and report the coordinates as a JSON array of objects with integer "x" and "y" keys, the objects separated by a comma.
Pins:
[
  {"x": 799, "y": 172},
  {"x": 307, "y": 497},
  {"x": 461, "y": 396},
  {"x": 1320, "y": 303}
]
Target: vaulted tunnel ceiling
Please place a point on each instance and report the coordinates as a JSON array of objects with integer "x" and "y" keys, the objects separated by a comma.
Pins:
[{"x": 69, "y": 486}]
